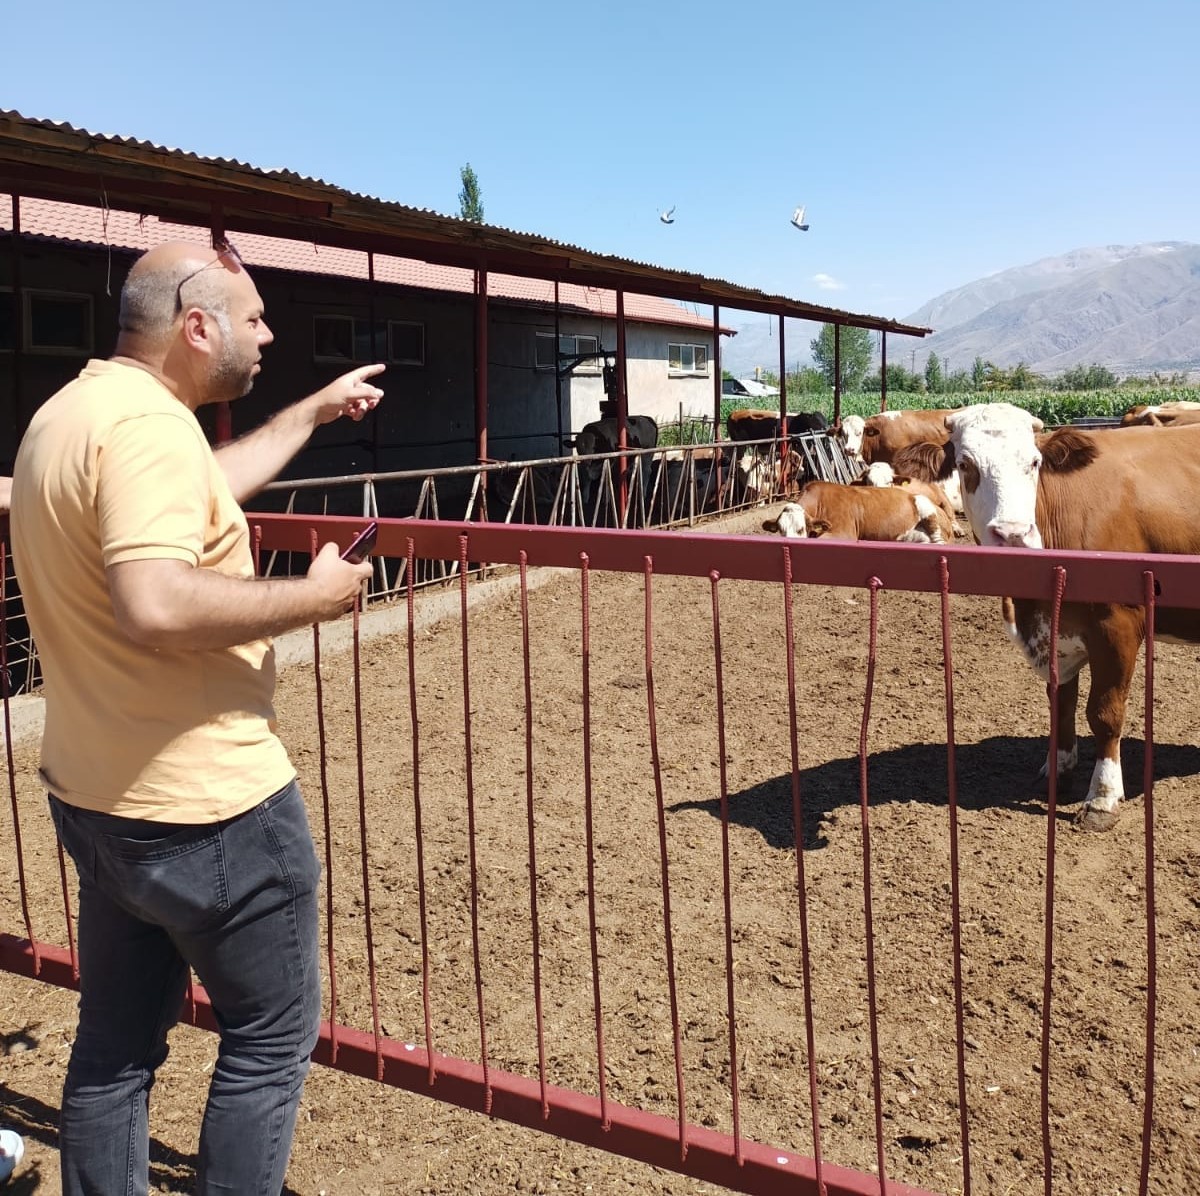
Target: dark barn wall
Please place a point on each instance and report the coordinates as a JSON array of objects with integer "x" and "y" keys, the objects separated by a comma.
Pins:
[
  {"x": 427, "y": 418},
  {"x": 51, "y": 267}
]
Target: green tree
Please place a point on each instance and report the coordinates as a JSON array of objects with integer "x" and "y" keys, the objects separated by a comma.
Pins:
[
  {"x": 856, "y": 351},
  {"x": 978, "y": 373},
  {"x": 470, "y": 201},
  {"x": 933, "y": 374},
  {"x": 1086, "y": 377},
  {"x": 1021, "y": 377}
]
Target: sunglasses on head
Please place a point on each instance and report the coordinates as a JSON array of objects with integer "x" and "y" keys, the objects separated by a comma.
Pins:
[{"x": 227, "y": 256}]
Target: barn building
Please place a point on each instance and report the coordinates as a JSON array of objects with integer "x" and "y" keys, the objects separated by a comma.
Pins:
[{"x": 566, "y": 334}]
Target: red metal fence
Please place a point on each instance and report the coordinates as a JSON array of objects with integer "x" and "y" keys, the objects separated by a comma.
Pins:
[{"x": 521, "y": 1079}]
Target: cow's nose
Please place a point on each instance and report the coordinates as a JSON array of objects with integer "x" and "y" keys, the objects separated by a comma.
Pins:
[{"x": 1013, "y": 535}]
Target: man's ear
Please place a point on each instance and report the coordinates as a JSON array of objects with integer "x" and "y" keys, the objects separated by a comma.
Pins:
[{"x": 197, "y": 333}]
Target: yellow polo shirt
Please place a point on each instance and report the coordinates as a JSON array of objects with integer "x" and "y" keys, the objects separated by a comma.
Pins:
[{"x": 115, "y": 468}]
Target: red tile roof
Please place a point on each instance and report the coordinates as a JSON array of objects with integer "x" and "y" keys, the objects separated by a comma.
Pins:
[{"x": 126, "y": 230}]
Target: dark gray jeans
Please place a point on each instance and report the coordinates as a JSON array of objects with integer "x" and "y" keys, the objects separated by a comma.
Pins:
[{"x": 235, "y": 900}]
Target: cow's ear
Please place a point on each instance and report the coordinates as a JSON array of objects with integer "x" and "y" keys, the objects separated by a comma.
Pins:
[
  {"x": 898, "y": 481},
  {"x": 869, "y": 431},
  {"x": 818, "y": 527},
  {"x": 770, "y": 525},
  {"x": 945, "y": 467}
]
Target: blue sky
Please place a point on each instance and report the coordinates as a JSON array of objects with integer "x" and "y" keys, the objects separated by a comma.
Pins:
[{"x": 932, "y": 142}]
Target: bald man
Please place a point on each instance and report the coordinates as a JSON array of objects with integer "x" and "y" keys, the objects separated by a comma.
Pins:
[{"x": 167, "y": 783}]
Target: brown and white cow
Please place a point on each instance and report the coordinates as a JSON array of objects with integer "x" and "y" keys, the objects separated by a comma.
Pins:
[
  {"x": 1168, "y": 415},
  {"x": 924, "y": 461},
  {"x": 859, "y": 513},
  {"x": 882, "y": 436},
  {"x": 881, "y": 473},
  {"x": 1093, "y": 490},
  {"x": 765, "y": 478}
]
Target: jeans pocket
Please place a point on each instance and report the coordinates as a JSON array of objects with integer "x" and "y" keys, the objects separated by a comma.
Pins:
[{"x": 176, "y": 880}]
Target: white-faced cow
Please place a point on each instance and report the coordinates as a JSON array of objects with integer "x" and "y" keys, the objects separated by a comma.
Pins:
[
  {"x": 1130, "y": 491},
  {"x": 859, "y": 513},
  {"x": 882, "y": 436}
]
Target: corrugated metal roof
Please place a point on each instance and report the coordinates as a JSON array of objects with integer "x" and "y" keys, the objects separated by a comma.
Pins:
[{"x": 59, "y": 161}]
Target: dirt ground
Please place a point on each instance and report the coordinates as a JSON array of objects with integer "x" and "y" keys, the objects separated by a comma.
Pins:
[{"x": 357, "y": 1137}]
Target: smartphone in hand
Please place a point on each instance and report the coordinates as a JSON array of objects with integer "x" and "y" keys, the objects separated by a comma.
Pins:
[{"x": 360, "y": 547}]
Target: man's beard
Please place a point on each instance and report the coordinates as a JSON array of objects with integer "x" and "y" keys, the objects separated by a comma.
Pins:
[{"x": 232, "y": 375}]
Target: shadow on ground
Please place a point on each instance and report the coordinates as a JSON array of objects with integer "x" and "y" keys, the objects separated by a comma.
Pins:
[
  {"x": 998, "y": 773},
  {"x": 35, "y": 1121}
]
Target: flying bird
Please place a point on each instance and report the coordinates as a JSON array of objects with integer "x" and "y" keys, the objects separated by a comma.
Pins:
[
  {"x": 798, "y": 219},
  {"x": 668, "y": 217}
]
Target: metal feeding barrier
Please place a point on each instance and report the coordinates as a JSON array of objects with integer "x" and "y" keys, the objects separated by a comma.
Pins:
[
  {"x": 577, "y": 1088},
  {"x": 663, "y": 487}
]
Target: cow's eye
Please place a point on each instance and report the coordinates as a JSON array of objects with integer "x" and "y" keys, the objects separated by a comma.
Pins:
[{"x": 1036, "y": 463}]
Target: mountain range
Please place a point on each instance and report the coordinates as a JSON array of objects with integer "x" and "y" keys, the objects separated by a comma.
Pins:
[{"x": 1132, "y": 308}]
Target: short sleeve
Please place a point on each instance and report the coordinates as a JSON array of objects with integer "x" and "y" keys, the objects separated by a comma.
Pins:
[{"x": 152, "y": 493}]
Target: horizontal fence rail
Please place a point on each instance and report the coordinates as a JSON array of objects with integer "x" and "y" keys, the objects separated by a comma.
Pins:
[{"x": 520, "y": 1080}]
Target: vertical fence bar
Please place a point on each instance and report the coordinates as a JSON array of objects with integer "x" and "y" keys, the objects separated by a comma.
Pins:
[
  {"x": 1151, "y": 912},
  {"x": 529, "y": 812},
  {"x": 726, "y": 883},
  {"x": 463, "y": 570},
  {"x": 801, "y": 884},
  {"x": 874, "y": 586},
  {"x": 418, "y": 826},
  {"x": 669, "y": 940},
  {"x": 1060, "y": 585},
  {"x": 955, "y": 894},
  {"x": 589, "y": 825},
  {"x": 364, "y": 840},
  {"x": 323, "y": 766}
]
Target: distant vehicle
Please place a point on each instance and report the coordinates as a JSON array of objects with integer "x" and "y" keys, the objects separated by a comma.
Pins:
[{"x": 748, "y": 388}]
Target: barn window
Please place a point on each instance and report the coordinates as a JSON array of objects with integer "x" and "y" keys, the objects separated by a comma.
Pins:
[
  {"x": 687, "y": 359},
  {"x": 349, "y": 339},
  {"x": 55, "y": 322},
  {"x": 568, "y": 347},
  {"x": 406, "y": 342}
]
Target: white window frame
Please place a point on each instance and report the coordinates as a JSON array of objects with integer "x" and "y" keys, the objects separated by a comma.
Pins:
[
  {"x": 569, "y": 345},
  {"x": 28, "y": 345},
  {"x": 686, "y": 353},
  {"x": 354, "y": 323}
]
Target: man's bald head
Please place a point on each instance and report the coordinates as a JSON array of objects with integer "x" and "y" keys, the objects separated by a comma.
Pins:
[{"x": 162, "y": 280}]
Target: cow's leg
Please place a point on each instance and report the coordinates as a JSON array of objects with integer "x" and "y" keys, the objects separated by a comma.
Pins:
[
  {"x": 1028, "y": 624},
  {"x": 1113, "y": 647},
  {"x": 1068, "y": 741}
]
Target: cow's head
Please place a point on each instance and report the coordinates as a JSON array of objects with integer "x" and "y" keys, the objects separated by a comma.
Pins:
[
  {"x": 852, "y": 435},
  {"x": 995, "y": 448},
  {"x": 790, "y": 521},
  {"x": 878, "y": 473}
]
